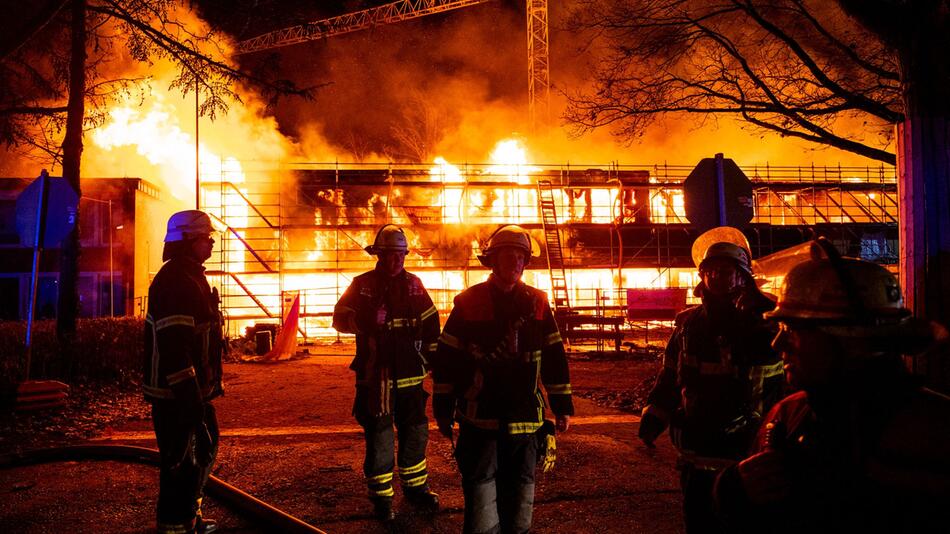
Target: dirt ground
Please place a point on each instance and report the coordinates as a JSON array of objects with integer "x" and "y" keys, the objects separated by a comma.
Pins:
[{"x": 288, "y": 439}]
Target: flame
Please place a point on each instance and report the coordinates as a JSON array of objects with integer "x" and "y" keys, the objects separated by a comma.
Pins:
[
  {"x": 445, "y": 172},
  {"x": 156, "y": 140},
  {"x": 510, "y": 158}
]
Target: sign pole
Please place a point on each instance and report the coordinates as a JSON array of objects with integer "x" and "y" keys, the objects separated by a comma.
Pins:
[
  {"x": 721, "y": 189},
  {"x": 37, "y": 250}
]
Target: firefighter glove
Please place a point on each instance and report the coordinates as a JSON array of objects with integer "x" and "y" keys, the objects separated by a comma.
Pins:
[
  {"x": 651, "y": 427},
  {"x": 547, "y": 445}
]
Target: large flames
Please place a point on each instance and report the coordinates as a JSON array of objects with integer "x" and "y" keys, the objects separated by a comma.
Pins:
[
  {"x": 265, "y": 254},
  {"x": 152, "y": 137}
]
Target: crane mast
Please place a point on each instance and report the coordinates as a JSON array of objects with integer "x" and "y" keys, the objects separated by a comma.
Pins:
[{"x": 539, "y": 75}]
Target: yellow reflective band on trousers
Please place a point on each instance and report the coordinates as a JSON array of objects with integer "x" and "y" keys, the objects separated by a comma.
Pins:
[
  {"x": 552, "y": 338},
  {"x": 414, "y": 469},
  {"x": 380, "y": 485},
  {"x": 415, "y": 482},
  {"x": 388, "y": 492},
  {"x": 433, "y": 347},
  {"x": 558, "y": 389},
  {"x": 380, "y": 479}
]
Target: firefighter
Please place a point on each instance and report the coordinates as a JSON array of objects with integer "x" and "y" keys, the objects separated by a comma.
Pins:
[
  {"x": 861, "y": 447},
  {"x": 396, "y": 327},
  {"x": 182, "y": 371},
  {"x": 499, "y": 345},
  {"x": 719, "y": 375}
]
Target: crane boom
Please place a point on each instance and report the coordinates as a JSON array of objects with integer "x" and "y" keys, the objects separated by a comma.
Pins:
[{"x": 350, "y": 22}]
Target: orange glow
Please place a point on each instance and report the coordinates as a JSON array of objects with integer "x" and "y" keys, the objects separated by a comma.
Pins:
[{"x": 319, "y": 253}]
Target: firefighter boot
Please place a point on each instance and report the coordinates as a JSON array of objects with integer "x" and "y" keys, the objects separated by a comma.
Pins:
[
  {"x": 205, "y": 526},
  {"x": 423, "y": 498},
  {"x": 383, "y": 509}
]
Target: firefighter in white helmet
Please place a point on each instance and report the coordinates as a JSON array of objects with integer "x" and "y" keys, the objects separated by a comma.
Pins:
[
  {"x": 861, "y": 447},
  {"x": 396, "y": 327},
  {"x": 182, "y": 371},
  {"x": 499, "y": 347},
  {"x": 719, "y": 375}
]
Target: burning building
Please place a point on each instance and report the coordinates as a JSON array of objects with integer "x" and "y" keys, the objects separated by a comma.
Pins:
[
  {"x": 299, "y": 228},
  {"x": 598, "y": 231}
]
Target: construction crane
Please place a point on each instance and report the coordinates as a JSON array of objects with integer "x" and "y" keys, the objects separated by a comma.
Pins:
[{"x": 539, "y": 78}]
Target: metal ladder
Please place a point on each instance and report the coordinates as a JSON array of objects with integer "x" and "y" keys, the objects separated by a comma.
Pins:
[{"x": 552, "y": 241}]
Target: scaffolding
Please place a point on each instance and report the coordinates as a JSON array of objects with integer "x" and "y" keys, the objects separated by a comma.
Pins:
[{"x": 303, "y": 227}]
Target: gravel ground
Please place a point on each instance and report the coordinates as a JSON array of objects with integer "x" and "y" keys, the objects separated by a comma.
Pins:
[{"x": 289, "y": 439}]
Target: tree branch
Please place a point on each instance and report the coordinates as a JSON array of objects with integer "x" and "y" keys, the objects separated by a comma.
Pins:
[{"x": 859, "y": 100}]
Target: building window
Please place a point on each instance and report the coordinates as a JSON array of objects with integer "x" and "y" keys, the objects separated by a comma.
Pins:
[{"x": 8, "y": 233}]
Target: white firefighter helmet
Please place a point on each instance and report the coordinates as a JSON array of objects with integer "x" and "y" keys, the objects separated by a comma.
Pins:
[
  {"x": 839, "y": 291},
  {"x": 723, "y": 242},
  {"x": 510, "y": 235},
  {"x": 188, "y": 224},
  {"x": 389, "y": 237}
]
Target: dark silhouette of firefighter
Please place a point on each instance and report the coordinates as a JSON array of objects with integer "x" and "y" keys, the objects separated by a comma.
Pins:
[
  {"x": 861, "y": 447},
  {"x": 719, "y": 375},
  {"x": 182, "y": 374},
  {"x": 499, "y": 345},
  {"x": 396, "y": 327}
]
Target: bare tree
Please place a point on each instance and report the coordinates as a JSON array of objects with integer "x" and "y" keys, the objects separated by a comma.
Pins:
[
  {"x": 797, "y": 67},
  {"x": 788, "y": 66},
  {"x": 57, "y": 77},
  {"x": 419, "y": 130},
  {"x": 918, "y": 33}
]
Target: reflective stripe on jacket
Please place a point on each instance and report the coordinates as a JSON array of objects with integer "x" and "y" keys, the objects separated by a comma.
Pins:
[
  {"x": 183, "y": 332},
  {"x": 719, "y": 373},
  {"x": 495, "y": 353},
  {"x": 407, "y": 338}
]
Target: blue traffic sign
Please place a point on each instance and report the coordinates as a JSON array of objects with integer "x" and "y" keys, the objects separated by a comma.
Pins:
[{"x": 60, "y": 215}]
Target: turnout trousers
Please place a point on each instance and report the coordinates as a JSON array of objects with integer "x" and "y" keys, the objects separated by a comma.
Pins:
[
  {"x": 183, "y": 471},
  {"x": 497, "y": 479},
  {"x": 412, "y": 431},
  {"x": 698, "y": 510}
]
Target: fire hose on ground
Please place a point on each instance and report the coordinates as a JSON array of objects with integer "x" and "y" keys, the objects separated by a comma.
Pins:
[{"x": 217, "y": 488}]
